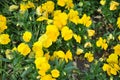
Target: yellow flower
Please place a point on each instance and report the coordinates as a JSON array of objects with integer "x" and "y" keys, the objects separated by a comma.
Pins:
[
  {"x": 69, "y": 4},
  {"x": 39, "y": 61},
  {"x": 42, "y": 18},
  {"x": 47, "y": 55},
  {"x": 116, "y": 67},
  {"x": 27, "y": 36},
  {"x": 4, "y": 39},
  {"x": 39, "y": 53},
  {"x": 52, "y": 32},
  {"x": 55, "y": 73},
  {"x": 102, "y": 43},
  {"x": 79, "y": 51},
  {"x": 2, "y": 23},
  {"x": 49, "y": 21},
  {"x": 61, "y": 2},
  {"x": 24, "y": 49},
  {"x": 45, "y": 40},
  {"x": 60, "y": 19},
  {"x": 119, "y": 37},
  {"x": 60, "y": 54},
  {"x": 37, "y": 46},
  {"x": 57, "y": 12},
  {"x": 102, "y": 2},
  {"x": 99, "y": 42},
  {"x": 3, "y": 19},
  {"x": 113, "y": 58},
  {"x": 68, "y": 55},
  {"x": 73, "y": 16},
  {"x": 107, "y": 68},
  {"x": 48, "y": 6},
  {"x": 118, "y": 22},
  {"x": 66, "y": 33},
  {"x": 47, "y": 77},
  {"x": 42, "y": 72},
  {"x": 113, "y": 5},
  {"x": 111, "y": 69},
  {"x": 44, "y": 10},
  {"x": 117, "y": 49},
  {"x": 30, "y": 5},
  {"x": 44, "y": 66},
  {"x": 91, "y": 32},
  {"x": 14, "y": 49},
  {"x": 89, "y": 56},
  {"x": 2, "y": 27},
  {"x": 23, "y": 8},
  {"x": 39, "y": 10},
  {"x": 77, "y": 38},
  {"x": 85, "y": 20}
]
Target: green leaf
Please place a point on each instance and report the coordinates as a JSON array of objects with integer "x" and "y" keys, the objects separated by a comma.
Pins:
[
  {"x": 4, "y": 77},
  {"x": 69, "y": 69},
  {"x": 4, "y": 59},
  {"x": 13, "y": 77},
  {"x": 26, "y": 72}
]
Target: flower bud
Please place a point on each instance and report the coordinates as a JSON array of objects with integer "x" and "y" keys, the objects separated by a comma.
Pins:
[{"x": 13, "y": 8}]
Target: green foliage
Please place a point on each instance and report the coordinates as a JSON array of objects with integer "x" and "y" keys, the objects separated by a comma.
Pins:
[{"x": 92, "y": 27}]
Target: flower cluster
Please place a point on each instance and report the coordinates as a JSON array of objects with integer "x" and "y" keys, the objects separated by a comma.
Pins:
[
  {"x": 25, "y": 6},
  {"x": 61, "y": 39},
  {"x": 112, "y": 67},
  {"x": 113, "y": 4},
  {"x": 4, "y": 38}
]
